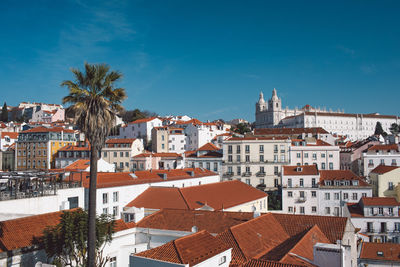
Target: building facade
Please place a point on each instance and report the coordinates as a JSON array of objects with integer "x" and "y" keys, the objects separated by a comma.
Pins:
[
  {"x": 376, "y": 155},
  {"x": 120, "y": 151}
]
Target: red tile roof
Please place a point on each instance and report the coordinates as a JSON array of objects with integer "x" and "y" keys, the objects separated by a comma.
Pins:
[
  {"x": 143, "y": 120},
  {"x": 184, "y": 220},
  {"x": 216, "y": 195},
  {"x": 289, "y": 131},
  {"x": 355, "y": 210},
  {"x": 12, "y": 135},
  {"x": 208, "y": 147},
  {"x": 382, "y": 169},
  {"x": 42, "y": 129},
  {"x": 161, "y": 155},
  {"x": 384, "y": 147},
  {"x": 264, "y": 263},
  {"x": 80, "y": 164},
  {"x": 378, "y": 116},
  {"x": 120, "y": 141},
  {"x": 380, "y": 201},
  {"x": 111, "y": 179},
  {"x": 300, "y": 170},
  {"x": 334, "y": 175},
  {"x": 318, "y": 142},
  {"x": 75, "y": 148},
  {"x": 257, "y": 138},
  {"x": 120, "y": 225},
  {"x": 389, "y": 251},
  {"x": 192, "y": 249}
]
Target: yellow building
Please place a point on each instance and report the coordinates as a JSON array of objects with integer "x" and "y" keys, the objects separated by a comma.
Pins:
[
  {"x": 37, "y": 147},
  {"x": 385, "y": 181}
]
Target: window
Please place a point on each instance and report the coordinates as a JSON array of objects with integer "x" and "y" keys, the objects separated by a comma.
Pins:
[
  {"x": 262, "y": 169},
  {"x": 290, "y": 209},
  {"x": 113, "y": 262},
  {"x": 115, "y": 211},
  {"x": 115, "y": 196},
  {"x": 247, "y": 148},
  {"x": 313, "y": 209},
  {"x": 345, "y": 195},
  {"x": 382, "y": 162},
  {"x": 215, "y": 166},
  {"x": 162, "y": 137},
  {"x": 397, "y": 226},
  {"x": 298, "y": 155},
  {"x": 364, "y": 195},
  {"x": 380, "y": 211},
  {"x": 121, "y": 165},
  {"x": 247, "y": 158},
  {"x": 222, "y": 260},
  {"x": 306, "y": 155},
  {"x": 301, "y": 182},
  {"x": 323, "y": 155},
  {"x": 105, "y": 211},
  {"x": 237, "y": 149},
  {"x": 390, "y": 186},
  {"x": 302, "y": 194},
  {"x": 230, "y": 149},
  {"x": 238, "y": 158},
  {"x": 261, "y": 158},
  {"x": 313, "y": 182},
  {"x": 208, "y": 165},
  {"x": 229, "y": 158},
  {"x": 390, "y": 209},
  {"x": 290, "y": 194},
  {"x": 330, "y": 165},
  {"x": 327, "y": 196},
  {"x": 127, "y": 154},
  {"x": 314, "y": 155},
  {"x": 238, "y": 170},
  {"x": 73, "y": 202},
  {"x": 301, "y": 210},
  {"x": 336, "y": 212},
  {"x": 355, "y": 196},
  {"x": 104, "y": 154},
  {"x": 230, "y": 169},
  {"x": 275, "y": 148},
  {"x": 336, "y": 196},
  {"x": 261, "y": 148},
  {"x": 276, "y": 170},
  {"x": 275, "y": 158},
  {"x": 313, "y": 193},
  {"x": 163, "y": 146},
  {"x": 247, "y": 169},
  {"x": 248, "y": 181},
  {"x": 323, "y": 166},
  {"x": 331, "y": 155},
  {"x": 289, "y": 182},
  {"x": 126, "y": 164},
  {"x": 105, "y": 198},
  {"x": 327, "y": 210},
  {"x": 261, "y": 181}
]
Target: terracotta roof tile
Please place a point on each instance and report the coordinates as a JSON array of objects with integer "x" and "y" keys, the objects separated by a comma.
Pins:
[
  {"x": 183, "y": 220},
  {"x": 257, "y": 138},
  {"x": 120, "y": 225},
  {"x": 208, "y": 147},
  {"x": 300, "y": 170},
  {"x": 378, "y": 116},
  {"x": 75, "y": 148},
  {"x": 120, "y": 141},
  {"x": 355, "y": 210},
  {"x": 42, "y": 129},
  {"x": 388, "y": 251},
  {"x": 80, "y": 164},
  {"x": 264, "y": 263},
  {"x": 384, "y": 147},
  {"x": 12, "y": 135},
  {"x": 216, "y": 195},
  {"x": 143, "y": 120},
  {"x": 191, "y": 249},
  {"x": 380, "y": 201},
  {"x": 335, "y": 175},
  {"x": 382, "y": 169}
]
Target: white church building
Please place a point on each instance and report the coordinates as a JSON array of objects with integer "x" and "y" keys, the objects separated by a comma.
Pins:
[{"x": 354, "y": 126}]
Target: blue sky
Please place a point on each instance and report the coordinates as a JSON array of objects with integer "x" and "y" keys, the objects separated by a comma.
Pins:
[{"x": 208, "y": 59}]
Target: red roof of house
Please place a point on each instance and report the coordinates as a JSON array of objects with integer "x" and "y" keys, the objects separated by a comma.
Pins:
[
  {"x": 334, "y": 175},
  {"x": 265, "y": 263},
  {"x": 208, "y": 147},
  {"x": 300, "y": 170},
  {"x": 382, "y": 169},
  {"x": 380, "y": 201},
  {"x": 120, "y": 141},
  {"x": 80, "y": 164},
  {"x": 113, "y": 179},
  {"x": 75, "y": 148},
  {"x": 161, "y": 155},
  {"x": 42, "y": 129},
  {"x": 384, "y": 147},
  {"x": 318, "y": 142},
  {"x": 143, "y": 120},
  {"x": 380, "y": 251},
  {"x": 183, "y": 220},
  {"x": 12, "y": 135},
  {"x": 191, "y": 249},
  {"x": 257, "y": 138},
  {"x": 219, "y": 196}
]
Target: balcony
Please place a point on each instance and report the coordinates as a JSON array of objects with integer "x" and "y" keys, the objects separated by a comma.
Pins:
[
  {"x": 370, "y": 165},
  {"x": 228, "y": 174},
  {"x": 394, "y": 163},
  {"x": 301, "y": 199},
  {"x": 246, "y": 174},
  {"x": 260, "y": 174},
  {"x": 370, "y": 230}
]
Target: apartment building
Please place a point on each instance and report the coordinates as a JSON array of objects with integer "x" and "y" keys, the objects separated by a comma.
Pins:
[
  {"x": 380, "y": 155},
  {"x": 36, "y": 148},
  {"x": 168, "y": 139},
  {"x": 311, "y": 151},
  {"x": 376, "y": 217},
  {"x": 256, "y": 161},
  {"x": 208, "y": 156},
  {"x": 307, "y": 190},
  {"x": 119, "y": 152},
  {"x": 140, "y": 128},
  {"x": 385, "y": 181}
]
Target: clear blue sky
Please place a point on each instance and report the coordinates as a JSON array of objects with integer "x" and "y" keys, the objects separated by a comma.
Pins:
[{"x": 208, "y": 59}]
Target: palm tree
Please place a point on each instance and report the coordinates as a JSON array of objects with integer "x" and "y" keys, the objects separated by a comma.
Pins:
[{"x": 95, "y": 101}]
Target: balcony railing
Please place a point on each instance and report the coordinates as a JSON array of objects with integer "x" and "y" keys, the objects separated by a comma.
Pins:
[
  {"x": 301, "y": 199},
  {"x": 246, "y": 174},
  {"x": 260, "y": 174},
  {"x": 228, "y": 174}
]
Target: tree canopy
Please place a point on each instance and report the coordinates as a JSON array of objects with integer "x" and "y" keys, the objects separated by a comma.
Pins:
[
  {"x": 394, "y": 128},
  {"x": 4, "y": 113},
  {"x": 66, "y": 243},
  {"x": 379, "y": 130}
]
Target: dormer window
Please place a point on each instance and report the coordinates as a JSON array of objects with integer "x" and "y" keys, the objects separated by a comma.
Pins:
[
  {"x": 337, "y": 183},
  {"x": 327, "y": 182},
  {"x": 355, "y": 183},
  {"x": 299, "y": 169}
]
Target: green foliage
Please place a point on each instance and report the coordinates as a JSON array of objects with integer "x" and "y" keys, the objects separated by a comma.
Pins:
[
  {"x": 394, "y": 128},
  {"x": 136, "y": 114},
  {"x": 242, "y": 128},
  {"x": 4, "y": 113},
  {"x": 274, "y": 200},
  {"x": 66, "y": 242},
  {"x": 379, "y": 130}
]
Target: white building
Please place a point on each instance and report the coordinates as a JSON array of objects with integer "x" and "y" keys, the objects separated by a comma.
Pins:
[
  {"x": 198, "y": 135},
  {"x": 157, "y": 161},
  {"x": 208, "y": 156},
  {"x": 7, "y": 139},
  {"x": 314, "y": 151},
  {"x": 355, "y": 126},
  {"x": 255, "y": 160},
  {"x": 307, "y": 190},
  {"x": 140, "y": 128},
  {"x": 119, "y": 151},
  {"x": 376, "y": 217},
  {"x": 380, "y": 155}
]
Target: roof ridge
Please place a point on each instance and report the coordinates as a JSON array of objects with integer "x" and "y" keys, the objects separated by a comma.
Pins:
[{"x": 184, "y": 199}]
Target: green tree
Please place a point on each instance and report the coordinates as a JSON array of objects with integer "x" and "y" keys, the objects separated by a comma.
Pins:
[
  {"x": 241, "y": 128},
  {"x": 66, "y": 242},
  {"x": 95, "y": 103},
  {"x": 394, "y": 128},
  {"x": 4, "y": 113},
  {"x": 379, "y": 130}
]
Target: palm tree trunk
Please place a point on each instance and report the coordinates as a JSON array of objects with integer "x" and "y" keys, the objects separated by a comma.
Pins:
[{"x": 92, "y": 208}]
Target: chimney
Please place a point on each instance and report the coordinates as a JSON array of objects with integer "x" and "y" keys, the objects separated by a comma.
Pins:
[{"x": 163, "y": 176}]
